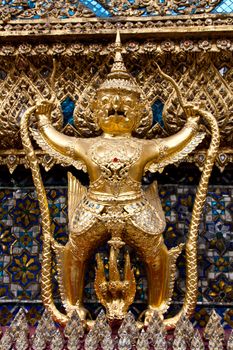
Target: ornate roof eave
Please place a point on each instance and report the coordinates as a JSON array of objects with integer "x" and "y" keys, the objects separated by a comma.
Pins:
[
  {"x": 159, "y": 27},
  {"x": 191, "y": 34}
]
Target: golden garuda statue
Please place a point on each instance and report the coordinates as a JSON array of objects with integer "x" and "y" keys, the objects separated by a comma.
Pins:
[{"x": 115, "y": 207}]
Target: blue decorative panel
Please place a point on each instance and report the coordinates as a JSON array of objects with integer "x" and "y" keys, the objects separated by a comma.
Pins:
[
  {"x": 157, "y": 109},
  {"x": 67, "y": 107},
  {"x": 225, "y": 6},
  {"x": 96, "y": 7}
]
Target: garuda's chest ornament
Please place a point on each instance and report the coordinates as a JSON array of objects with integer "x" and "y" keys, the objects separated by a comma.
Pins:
[
  {"x": 115, "y": 208},
  {"x": 115, "y": 159}
]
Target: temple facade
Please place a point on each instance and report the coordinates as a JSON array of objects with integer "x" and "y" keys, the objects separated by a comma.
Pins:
[{"x": 192, "y": 42}]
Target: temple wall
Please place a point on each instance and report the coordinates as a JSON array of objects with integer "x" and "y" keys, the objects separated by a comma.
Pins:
[{"x": 194, "y": 45}]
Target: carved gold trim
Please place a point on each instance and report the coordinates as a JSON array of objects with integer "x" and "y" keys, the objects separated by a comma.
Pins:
[
  {"x": 133, "y": 27},
  {"x": 13, "y": 158},
  {"x": 187, "y": 45}
]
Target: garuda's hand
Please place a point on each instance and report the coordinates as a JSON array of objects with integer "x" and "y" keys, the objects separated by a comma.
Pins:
[
  {"x": 44, "y": 107},
  {"x": 192, "y": 113}
]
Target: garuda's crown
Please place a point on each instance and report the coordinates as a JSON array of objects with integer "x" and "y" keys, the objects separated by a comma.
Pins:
[{"x": 119, "y": 78}]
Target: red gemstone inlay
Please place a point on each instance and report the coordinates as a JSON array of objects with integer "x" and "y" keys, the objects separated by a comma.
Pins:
[{"x": 115, "y": 160}]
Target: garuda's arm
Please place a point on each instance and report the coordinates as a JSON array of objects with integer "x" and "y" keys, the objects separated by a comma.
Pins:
[
  {"x": 65, "y": 149},
  {"x": 176, "y": 147}
]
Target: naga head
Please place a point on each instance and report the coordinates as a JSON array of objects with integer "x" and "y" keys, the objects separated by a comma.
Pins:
[
  {"x": 117, "y": 107},
  {"x": 116, "y": 294}
]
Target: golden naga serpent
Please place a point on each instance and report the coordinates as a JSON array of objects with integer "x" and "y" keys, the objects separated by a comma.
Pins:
[
  {"x": 46, "y": 283},
  {"x": 191, "y": 244}
]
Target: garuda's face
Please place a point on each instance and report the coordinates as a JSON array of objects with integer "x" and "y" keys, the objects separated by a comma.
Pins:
[{"x": 116, "y": 112}]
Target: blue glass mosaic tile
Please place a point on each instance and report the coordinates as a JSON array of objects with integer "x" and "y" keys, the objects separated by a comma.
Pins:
[
  {"x": 67, "y": 107},
  {"x": 157, "y": 109},
  {"x": 20, "y": 247},
  {"x": 97, "y": 8},
  {"x": 226, "y": 6}
]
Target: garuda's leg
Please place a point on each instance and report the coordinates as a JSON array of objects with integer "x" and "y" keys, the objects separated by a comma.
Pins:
[
  {"x": 160, "y": 266},
  {"x": 72, "y": 261}
]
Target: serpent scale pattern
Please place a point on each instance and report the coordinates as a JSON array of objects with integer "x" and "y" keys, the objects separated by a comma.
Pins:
[
  {"x": 191, "y": 245},
  {"x": 46, "y": 283}
]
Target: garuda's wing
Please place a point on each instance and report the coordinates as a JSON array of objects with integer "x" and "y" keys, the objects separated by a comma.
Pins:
[
  {"x": 177, "y": 156},
  {"x": 76, "y": 192},
  {"x": 60, "y": 158},
  {"x": 152, "y": 196}
]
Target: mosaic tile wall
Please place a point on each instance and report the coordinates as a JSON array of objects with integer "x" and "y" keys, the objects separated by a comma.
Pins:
[{"x": 20, "y": 243}]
